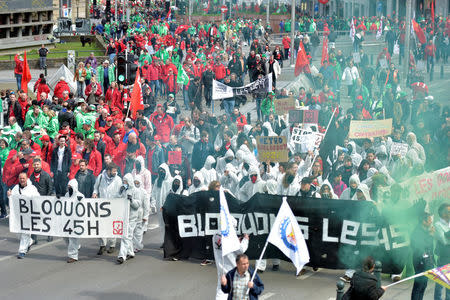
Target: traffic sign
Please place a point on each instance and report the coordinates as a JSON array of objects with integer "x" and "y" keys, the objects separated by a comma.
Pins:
[{"x": 224, "y": 9}]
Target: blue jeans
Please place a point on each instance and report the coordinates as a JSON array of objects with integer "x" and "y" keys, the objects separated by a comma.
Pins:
[
  {"x": 42, "y": 62},
  {"x": 438, "y": 292},
  {"x": 80, "y": 87},
  {"x": 419, "y": 287},
  {"x": 186, "y": 98},
  {"x": 229, "y": 106},
  {"x": 19, "y": 80},
  {"x": 154, "y": 84}
]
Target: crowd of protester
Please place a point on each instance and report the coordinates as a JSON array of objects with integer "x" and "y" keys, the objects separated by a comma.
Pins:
[{"x": 90, "y": 135}]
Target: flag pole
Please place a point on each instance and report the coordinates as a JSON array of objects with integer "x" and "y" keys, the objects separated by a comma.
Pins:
[
  {"x": 258, "y": 262},
  {"x": 326, "y": 130},
  {"x": 406, "y": 279}
]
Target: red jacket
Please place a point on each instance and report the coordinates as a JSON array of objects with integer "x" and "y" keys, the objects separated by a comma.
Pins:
[
  {"x": 286, "y": 41},
  {"x": 46, "y": 153},
  {"x": 95, "y": 161},
  {"x": 163, "y": 124},
  {"x": 220, "y": 71},
  {"x": 73, "y": 170},
  {"x": 45, "y": 167},
  {"x": 89, "y": 89},
  {"x": 42, "y": 88},
  {"x": 122, "y": 152},
  {"x": 171, "y": 81},
  {"x": 153, "y": 72},
  {"x": 145, "y": 69},
  {"x": 18, "y": 69},
  {"x": 60, "y": 87}
]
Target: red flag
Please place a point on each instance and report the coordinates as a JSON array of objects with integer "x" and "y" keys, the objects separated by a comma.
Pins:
[
  {"x": 168, "y": 14},
  {"x": 26, "y": 75},
  {"x": 324, "y": 51},
  {"x": 136, "y": 101},
  {"x": 302, "y": 62},
  {"x": 419, "y": 32},
  {"x": 181, "y": 28}
]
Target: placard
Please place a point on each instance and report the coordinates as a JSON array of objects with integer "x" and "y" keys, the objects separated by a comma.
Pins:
[
  {"x": 399, "y": 148},
  {"x": 68, "y": 217},
  {"x": 295, "y": 116},
  {"x": 174, "y": 157},
  {"x": 284, "y": 105},
  {"x": 310, "y": 139},
  {"x": 272, "y": 148},
  {"x": 311, "y": 116},
  {"x": 369, "y": 129}
]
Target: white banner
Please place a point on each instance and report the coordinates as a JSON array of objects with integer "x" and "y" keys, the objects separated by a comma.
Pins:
[
  {"x": 221, "y": 91},
  {"x": 68, "y": 217}
]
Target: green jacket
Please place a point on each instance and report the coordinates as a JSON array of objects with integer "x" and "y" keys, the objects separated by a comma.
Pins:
[
  {"x": 268, "y": 106},
  {"x": 111, "y": 74},
  {"x": 4, "y": 155},
  {"x": 30, "y": 119},
  {"x": 53, "y": 127}
]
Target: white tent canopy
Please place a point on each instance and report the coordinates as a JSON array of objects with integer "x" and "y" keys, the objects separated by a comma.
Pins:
[{"x": 53, "y": 79}]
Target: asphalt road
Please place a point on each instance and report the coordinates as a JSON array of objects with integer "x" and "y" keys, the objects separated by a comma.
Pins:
[{"x": 44, "y": 274}]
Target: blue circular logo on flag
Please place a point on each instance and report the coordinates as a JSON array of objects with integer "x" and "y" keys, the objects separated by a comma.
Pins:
[
  {"x": 288, "y": 235},
  {"x": 224, "y": 220}
]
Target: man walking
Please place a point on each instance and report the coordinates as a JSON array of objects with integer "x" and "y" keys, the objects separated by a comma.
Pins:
[
  {"x": 60, "y": 166},
  {"x": 43, "y": 57},
  {"x": 237, "y": 281},
  {"x": 24, "y": 188}
]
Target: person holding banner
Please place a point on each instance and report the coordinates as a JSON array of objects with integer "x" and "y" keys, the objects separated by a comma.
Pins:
[
  {"x": 237, "y": 282},
  {"x": 73, "y": 244},
  {"x": 107, "y": 185},
  {"x": 24, "y": 188}
]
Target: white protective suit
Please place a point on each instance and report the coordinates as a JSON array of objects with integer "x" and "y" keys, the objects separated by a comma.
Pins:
[
  {"x": 135, "y": 199},
  {"x": 230, "y": 181},
  {"x": 346, "y": 193},
  {"x": 248, "y": 156},
  {"x": 222, "y": 162},
  {"x": 208, "y": 171},
  {"x": 161, "y": 189},
  {"x": 73, "y": 244},
  {"x": 29, "y": 190},
  {"x": 202, "y": 187},
  {"x": 365, "y": 190},
  {"x": 142, "y": 222},
  {"x": 291, "y": 190},
  {"x": 146, "y": 184},
  {"x": 333, "y": 195},
  {"x": 356, "y": 158},
  {"x": 249, "y": 188},
  {"x": 106, "y": 187},
  {"x": 180, "y": 190},
  {"x": 226, "y": 263}
]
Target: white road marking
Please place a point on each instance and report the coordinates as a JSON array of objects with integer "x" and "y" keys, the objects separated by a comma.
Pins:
[
  {"x": 332, "y": 298},
  {"x": 266, "y": 296},
  {"x": 152, "y": 226},
  {"x": 32, "y": 249}
]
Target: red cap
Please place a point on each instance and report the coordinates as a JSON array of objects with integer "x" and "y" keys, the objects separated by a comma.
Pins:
[
  {"x": 76, "y": 155},
  {"x": 64, "y": 132},
  {"x": 45, "y": 138},
  {"x": 159, "y": 105}
]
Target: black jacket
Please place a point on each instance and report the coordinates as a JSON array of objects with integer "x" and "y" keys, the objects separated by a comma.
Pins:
[
  {"x": 258, "y": 285},
  {"x": 86, "y": 182},
  {"x": 45, "y": 184},
  {"x": 67, "y": 160},
  {"x": 17, "y": 112},
  {"x": 363, "y": 287}
]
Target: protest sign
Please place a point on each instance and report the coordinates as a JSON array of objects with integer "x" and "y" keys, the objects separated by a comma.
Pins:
[
  {"x": 369, "y": 129},
  {"x": 295, "y": 116},
  {"x": 311, "y": 116},
  {"x": 399, "y": 148},
  {"x": 174, "y": 157},
  {"x": 223, "y": 91},
  {"x": 272, "y": 148},
  {"x": 284, "y": 105},
  {"x": 68, "y": 217},
  {"x": 332, "y": 229},
  {"x": 309, "y": 139}
]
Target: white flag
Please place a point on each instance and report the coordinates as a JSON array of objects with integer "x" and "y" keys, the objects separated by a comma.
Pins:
[
  {"x": 230, "y": 241},
  {"x": 352, "y": 30},
  {"x": 287, "y": 236}
]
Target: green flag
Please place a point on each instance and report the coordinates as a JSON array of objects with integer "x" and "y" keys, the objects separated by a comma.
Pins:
[{"x": 182, "y": 77}]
